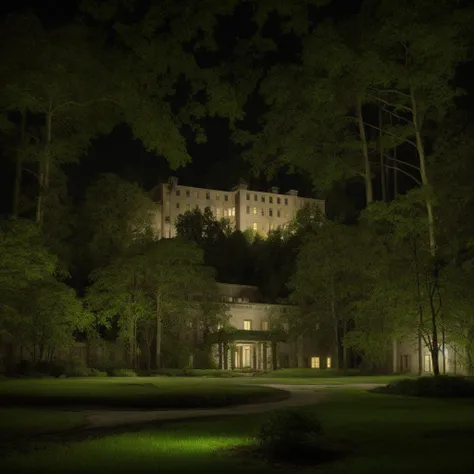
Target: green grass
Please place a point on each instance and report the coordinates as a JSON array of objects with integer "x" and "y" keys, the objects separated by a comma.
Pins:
[
  {"x": 281, "y": 377},
  {"x": 16, "y": 422},
  {"x": 389, "y": 434},
  {"x": 139, "y": 392}
]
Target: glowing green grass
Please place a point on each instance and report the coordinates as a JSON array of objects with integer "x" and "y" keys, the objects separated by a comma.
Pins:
[{"x": 387, "y": 434}]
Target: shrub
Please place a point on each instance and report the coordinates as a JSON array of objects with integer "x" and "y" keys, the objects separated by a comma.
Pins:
[
  {"x": 76, "y": 369},
  {"x": 121, "y": 373},
  {"x": 441, "y": 386},
  {"x": 293, "y": 435},
  {"x": 26, "y": 368},
  {"x": 97, "y": 373}
]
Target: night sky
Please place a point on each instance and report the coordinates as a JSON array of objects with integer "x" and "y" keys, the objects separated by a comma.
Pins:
[{"x": 217, "y": 163}]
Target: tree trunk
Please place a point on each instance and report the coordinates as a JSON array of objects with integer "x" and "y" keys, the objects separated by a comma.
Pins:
[
  {"x": 19, "y": 166},
  {"x": 431, "y": 224},
  {"x": 336, "y": 324},
  {"x": 159, "y": 323},
  {"x": 300, "y": 351},
  {"x": 365, "y": 154},
  {"x": 44, "y": 172},
  {"x": 382, "y": 159}
]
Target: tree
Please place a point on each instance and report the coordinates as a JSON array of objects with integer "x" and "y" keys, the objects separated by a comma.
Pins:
[
  {"x": 49, "y": 313},
  {"x": 23, "y": 261},
  {"x": 326, "y": 281},
  {"x": 202, "y": 227},
  {"x": 58, "y": 89},
  {"x": 118, "y": 291},
  {"x": 115, "y": 215},
  {"x": 173, "y": 270}
]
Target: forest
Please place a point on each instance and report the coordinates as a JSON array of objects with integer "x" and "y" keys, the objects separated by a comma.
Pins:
[{"x": 379, "y": 98}]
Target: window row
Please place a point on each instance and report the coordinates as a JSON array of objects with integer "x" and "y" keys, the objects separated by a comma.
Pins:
[
  {"x": 270, "y": 199},
  {"x": 248, "y": 325},
  {"x": 269, "y": 212},
  {"x": 217, "y": 211},
  {"x": 206, "y": 194}
]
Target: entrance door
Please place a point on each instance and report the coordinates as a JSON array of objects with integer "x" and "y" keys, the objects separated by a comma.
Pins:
[{"x": 246, "y": 358}]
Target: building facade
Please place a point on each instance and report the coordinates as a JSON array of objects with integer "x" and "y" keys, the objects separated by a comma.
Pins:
[
  {"x": 244, "y": 208},
  {"x": 251, "y": 340}
]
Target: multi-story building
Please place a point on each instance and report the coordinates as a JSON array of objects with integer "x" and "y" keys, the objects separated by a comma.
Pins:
[{"x": 245, "y": 208}]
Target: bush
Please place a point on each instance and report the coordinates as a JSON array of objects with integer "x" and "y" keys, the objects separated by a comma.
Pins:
[
  {"x": 293, "y": 435},
  {"x": 77, "y": 369},
  {"x": 441, "y": 386},
  {"x": 97, "y": 373},
  {"x": 26, "y": 368},
  {"x": 121, "y": 373}
]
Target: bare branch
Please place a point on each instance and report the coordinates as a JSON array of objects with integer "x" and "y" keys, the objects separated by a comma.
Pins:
[
  {"x": 402, "y": 162},
  {"x": 391, "y": 134},
  {"x": 386, "y": 102},
  {"x": 405, "y": 173},
  {"x": 84, "y": 104}
]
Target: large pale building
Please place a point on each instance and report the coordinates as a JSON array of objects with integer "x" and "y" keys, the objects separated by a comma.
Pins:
[{"x": 245, "y": 208}]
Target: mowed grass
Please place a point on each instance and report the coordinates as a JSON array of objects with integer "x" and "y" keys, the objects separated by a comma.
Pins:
[
  {"x": 139, "y": 392},
  {"x": 15, "y": 422},
  {"x": 382, "y": 434}
]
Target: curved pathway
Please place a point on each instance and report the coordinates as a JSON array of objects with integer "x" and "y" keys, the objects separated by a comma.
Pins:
[{"x": 300, "y": 395}]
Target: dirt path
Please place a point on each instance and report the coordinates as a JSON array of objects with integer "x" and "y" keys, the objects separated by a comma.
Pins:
[{"x": 300, "y": 395}]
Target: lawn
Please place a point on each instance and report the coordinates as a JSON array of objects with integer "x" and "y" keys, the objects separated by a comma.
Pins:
[
  {"x": 384, "y": 433},
  {"x": 136, "y": 392},
  {"x": 16, "y": 422}
]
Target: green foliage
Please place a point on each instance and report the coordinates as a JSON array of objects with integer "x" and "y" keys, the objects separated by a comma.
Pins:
[
  {"x": 115, "y": 216},
  {"x": 294, "y": 435},
  {"x": 121, "y": 373},
  {"x": 442, "y": 386}
]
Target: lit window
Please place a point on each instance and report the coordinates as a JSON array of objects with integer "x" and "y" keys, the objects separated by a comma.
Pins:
[
  {"x": 270, "y": 212},
  {"x": 254, "y": 211},
  {"x": 248, "y": 196},
  {"x": 263, "y": 198},
  {"x": 196, "y": 194},
  {"x": 286, "y": 201},
  {"x": 263, "y": 211},
  {"x": 270, "y": 227},
  {"x": 248, "y": 209},
  {"x": 218, "y": 212},
  {"x": 270, "y": 199},
  {"x": 218, "y": 197},
  {"x": 232, "y": 211},
  {"x": 264, "y": 325},
  {"x": 247, "y": 325},
  {"x": 255, "y": 226},
  {"x": 428, "y": 367},
  {"x": 226, "y": 212},
  {"x": 255, "y": 197},
  {"x": 226, "y": 198},
  {"x": 208, "y": 195},
  {"x": 328, "y": 363},
  {"x": 315, "y": 363},
  {"x": 178, "y": 192},
  {"x": 188, "y": 193},
  {"x": 177, "y": 205}
]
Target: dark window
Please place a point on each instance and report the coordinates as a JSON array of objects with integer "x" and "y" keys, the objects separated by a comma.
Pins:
[
  {"x": 188, "y": 193},
  {"x": 270, "y": 199},
  {"x": 226, "y": 198},
  {"x": 286, "y": 201},
  {"x": 178, "y": 192},
  {"x": 208, "y": 195}
]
